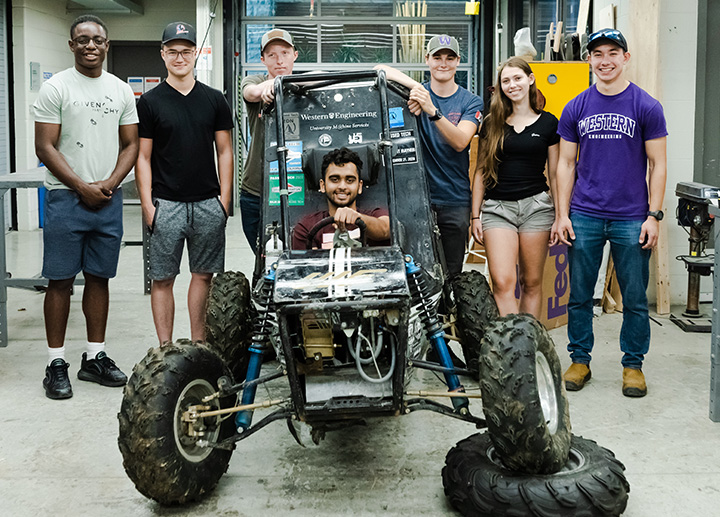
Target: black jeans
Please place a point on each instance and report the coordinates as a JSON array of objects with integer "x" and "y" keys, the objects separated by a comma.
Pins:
[{"x": 453, "y": 222}]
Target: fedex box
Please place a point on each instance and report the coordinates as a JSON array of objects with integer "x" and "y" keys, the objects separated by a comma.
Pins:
[{"x": 555, "y": 289}]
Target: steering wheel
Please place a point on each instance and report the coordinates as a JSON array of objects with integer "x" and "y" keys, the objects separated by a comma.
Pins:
[{"x": 328, "y": 221}]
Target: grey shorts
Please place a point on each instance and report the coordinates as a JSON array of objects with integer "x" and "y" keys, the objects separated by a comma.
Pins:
[
  {"x": 200, "y": 223},
  {"x": 531, "y": 214}
]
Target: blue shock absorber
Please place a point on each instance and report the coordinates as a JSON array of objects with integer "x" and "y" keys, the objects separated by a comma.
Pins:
[
  {"x": 428, "y": 315},
  {"x": 261, "y": 336}
]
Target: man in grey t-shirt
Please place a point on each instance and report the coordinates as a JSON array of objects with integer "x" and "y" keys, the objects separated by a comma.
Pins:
[
  {"x": 278, "y": 54},
  {"x": 86, "y": 135}
]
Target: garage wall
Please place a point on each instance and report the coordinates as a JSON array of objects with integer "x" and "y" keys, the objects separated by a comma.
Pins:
[
  {"x": 149, "y": 25},
  {"x": 678, "y": 58},
  {"x": 4, "y": 93},
  {"x": 678, "y": 50},
  {"x": 210, "y": 28},
  {"x": 40, "y": 34}
]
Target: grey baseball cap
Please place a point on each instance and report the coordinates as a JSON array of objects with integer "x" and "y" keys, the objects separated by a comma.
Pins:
[
  {"x": 274, "y": 35},
  {"x": 179, "y": 30},
  {"x": 442, "y": 42}
]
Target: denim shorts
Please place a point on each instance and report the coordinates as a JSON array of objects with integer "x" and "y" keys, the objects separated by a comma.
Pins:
[
  {"x": 77, "y": 238},
  {"x": 200, "y": 223},
  {"x": 531, "y": 214}
]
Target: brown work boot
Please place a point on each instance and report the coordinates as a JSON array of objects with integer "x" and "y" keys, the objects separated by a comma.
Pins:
[
  {"x": 634, "y": 383},
  {"x": 576, "y": 376}
]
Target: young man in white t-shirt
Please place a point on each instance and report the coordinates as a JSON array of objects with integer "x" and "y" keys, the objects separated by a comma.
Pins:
[{"x": 86, "y": 135}]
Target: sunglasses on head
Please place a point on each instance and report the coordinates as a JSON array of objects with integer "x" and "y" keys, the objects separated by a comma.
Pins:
[{"x": 610, "y": 33}]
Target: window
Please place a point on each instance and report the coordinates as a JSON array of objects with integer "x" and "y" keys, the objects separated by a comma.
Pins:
[
  {"x": 335, "y": 35},
  {"x": 353, "y": 34}
]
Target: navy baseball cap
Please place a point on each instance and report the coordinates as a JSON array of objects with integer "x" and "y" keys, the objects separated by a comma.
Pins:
[
  {"x": 179, "y": 30},
  {"x": 612, "y": 36}
]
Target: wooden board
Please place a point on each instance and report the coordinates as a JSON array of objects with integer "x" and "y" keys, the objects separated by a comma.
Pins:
[
  {"x": 606, "y": 19},
  {"x": 662, "y": 270},
  {"x": 612, "y": 298},
  {"x": 476, "y": 251},
  {"x": 644, "y": 70},
  {"x": 583, "y": 12}
]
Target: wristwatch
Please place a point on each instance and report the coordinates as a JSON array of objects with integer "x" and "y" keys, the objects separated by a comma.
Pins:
[
  {"x": 657, "y": 215},
  {"x": 438, "y": 115}
]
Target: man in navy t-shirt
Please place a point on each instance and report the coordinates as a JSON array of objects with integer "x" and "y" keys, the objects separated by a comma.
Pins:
[
  {"x": 449, "y": 116},
  {"x": 603, "y": 195}
]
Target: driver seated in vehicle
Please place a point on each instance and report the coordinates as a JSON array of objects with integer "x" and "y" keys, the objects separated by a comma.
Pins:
[{"x": 342, "y": 185}]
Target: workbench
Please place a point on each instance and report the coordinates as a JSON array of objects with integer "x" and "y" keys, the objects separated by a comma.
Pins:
[
  {"x": 33, "y": 178},
  {"x": 715, "y": 342}
]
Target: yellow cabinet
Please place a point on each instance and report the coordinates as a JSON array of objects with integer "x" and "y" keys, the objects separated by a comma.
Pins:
[{"x": 560, "y": 81}]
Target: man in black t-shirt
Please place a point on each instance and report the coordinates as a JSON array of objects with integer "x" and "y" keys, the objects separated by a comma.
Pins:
[
  {"x": 342, "y": 185},
  {"x": 184, "y": 126}
]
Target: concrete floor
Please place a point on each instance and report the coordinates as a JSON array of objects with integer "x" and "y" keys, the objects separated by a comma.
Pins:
[{"x": 61, "y": 457}]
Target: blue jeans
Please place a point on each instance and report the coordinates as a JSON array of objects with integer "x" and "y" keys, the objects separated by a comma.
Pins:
[
  {"x": 250, "y": 215},
  {"x": 632, "y": 270}
]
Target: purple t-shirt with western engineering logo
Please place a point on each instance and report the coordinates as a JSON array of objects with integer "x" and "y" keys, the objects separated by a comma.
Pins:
[{"x": 611, "y": 132}]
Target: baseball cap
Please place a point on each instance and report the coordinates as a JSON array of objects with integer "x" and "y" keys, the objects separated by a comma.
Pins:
[
  {"x": 276, "y": 34},
  {"x": 179, "y": 30},
  {"x": 441, "y": 42},
  {"x": 612, "y": 36}
]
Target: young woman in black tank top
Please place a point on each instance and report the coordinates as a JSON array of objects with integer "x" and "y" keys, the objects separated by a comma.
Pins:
[{"x": 512, "y": 207}]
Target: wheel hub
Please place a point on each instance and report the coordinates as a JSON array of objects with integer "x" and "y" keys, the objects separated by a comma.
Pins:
[
  {"x": 575, "y": 461},
  {"x": 546, "y": 392},
  {"x": 188, "y": 434}
]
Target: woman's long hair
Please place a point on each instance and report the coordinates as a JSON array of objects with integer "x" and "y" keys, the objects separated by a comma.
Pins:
[{"x": 500, "y": 109}]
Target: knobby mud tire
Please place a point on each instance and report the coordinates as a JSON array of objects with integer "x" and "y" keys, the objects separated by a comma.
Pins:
[
  {"x": 476, "y": 308},
  {"x": 523, "y": 395},
  {"x": 229, "y": 320},
  {"x": 591, "y": 484},
  {"x": 163, "y": 462}
]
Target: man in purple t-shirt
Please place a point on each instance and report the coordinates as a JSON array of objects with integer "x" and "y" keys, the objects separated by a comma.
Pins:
[
  {"x": 612, "y": 135},
  {"x": 342, "y": 185}
]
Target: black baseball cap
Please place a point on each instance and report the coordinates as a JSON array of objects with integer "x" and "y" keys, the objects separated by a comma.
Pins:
[
  {"x": 612, "y": 36},
  {"x": 179, "y": 30}
]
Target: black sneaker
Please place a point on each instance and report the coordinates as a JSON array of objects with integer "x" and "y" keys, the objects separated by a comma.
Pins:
[
  {"x": 56, "y": 381},
  {"x": 102, "y": 370}
]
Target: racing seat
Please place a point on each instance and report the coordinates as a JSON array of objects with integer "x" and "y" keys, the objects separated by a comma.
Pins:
[{"x": 312, "y": 164}]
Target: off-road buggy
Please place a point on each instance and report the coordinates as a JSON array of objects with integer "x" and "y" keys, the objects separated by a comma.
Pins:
[{"x": 350, "y": 325}]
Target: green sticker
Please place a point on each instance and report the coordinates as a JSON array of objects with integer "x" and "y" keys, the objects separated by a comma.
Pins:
[{"x": 296, "y": 189}]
